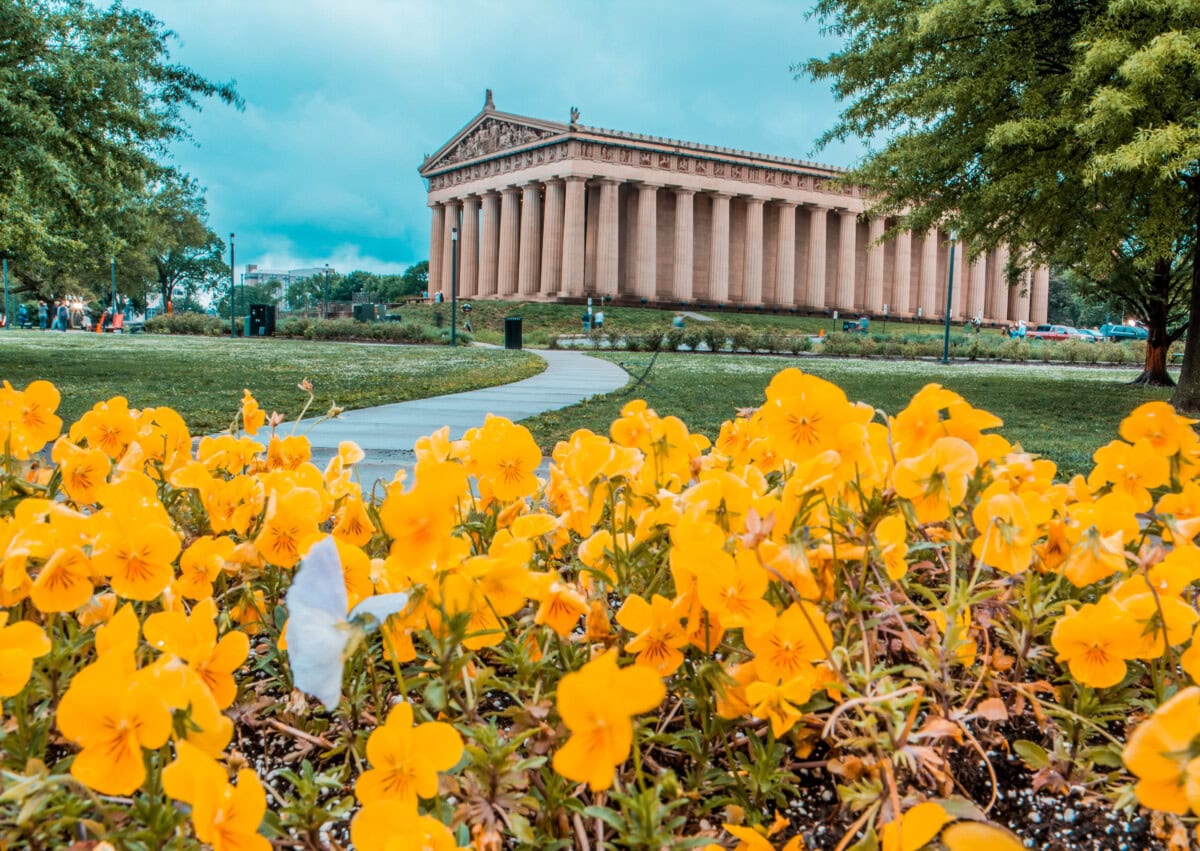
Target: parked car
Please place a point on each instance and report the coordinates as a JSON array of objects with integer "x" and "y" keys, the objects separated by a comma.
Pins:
[
  {"x": 1049, "y": 332},
  {"x": 1123, "y": 332},
  {"x": 1083, "y": 335}
]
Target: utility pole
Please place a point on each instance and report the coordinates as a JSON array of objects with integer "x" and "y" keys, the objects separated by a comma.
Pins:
[
  {"x": 949, "y": 296},
  {"x": 453, "y": 287},
  {"x": 232, "y": 287}
]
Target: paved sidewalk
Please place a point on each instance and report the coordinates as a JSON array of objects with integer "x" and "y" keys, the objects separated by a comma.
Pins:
[{"x": 387, "y": 432}]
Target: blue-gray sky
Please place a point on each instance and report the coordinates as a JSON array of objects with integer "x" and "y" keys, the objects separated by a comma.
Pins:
[{"x": 344, "y": 99}]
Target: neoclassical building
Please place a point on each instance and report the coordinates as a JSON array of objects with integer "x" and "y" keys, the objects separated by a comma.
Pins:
[{"x": 547, "y": 210}]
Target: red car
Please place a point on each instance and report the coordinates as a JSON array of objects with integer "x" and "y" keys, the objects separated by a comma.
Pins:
[{"x": 1050, "y": 332}]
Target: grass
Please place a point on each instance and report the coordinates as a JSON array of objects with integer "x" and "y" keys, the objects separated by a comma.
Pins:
[
  {"x": 202, "y": 378},
  {"x": 541, "y": 320},
  {"x": 1063, "y": 413}
]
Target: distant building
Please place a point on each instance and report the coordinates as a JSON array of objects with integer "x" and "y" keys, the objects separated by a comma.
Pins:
[{"x": 255, "y": 276}]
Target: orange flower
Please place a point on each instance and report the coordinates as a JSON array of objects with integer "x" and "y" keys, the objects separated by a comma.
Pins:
[
  {"x": 559, "y": 605},
  {"x": 1131, "y": 469},
  {"x": 803, "y": 414},
  {"x": 1159, "y": 427},
  {"x": 596, "y": 704},
  {"x": 288, "y": 453},
  {"x": 1008, "y": 524},
  {"x": 109, "y": 426},
  {"x": 137, "y": 558},
  {"x": 780, "y": 702},
  {"x": 406, "y": 760},
  {"x": 64, "y": 583},
  {"x": 200, "y": 565},
  {"x": 83, "y": 471},
  {"x": 733, "y": 589},
  {"x": 915, "y": 828},
  {"x": 658, "y": 633},
  {"x": 227, "y": 817},
  {"x": 384, "y": 828},
  {"x": 354, "y": 524},
  {"x": 1099, "y": 532}
]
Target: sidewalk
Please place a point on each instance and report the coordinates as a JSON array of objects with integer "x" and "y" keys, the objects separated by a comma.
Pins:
[{"x": 387, "y": 432}]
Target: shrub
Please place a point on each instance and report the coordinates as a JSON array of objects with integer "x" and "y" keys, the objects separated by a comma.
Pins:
[
  {"x": 673, "y": 339},
  {"x": 743, "y": 338},
  {"x": 715, "y": 337},
  {"x": 189, "y": 323},
  {"x": 692, "y": 339}
]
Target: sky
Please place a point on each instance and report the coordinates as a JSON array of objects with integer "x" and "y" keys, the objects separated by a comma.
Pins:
[{"x": 343, "y": 100}]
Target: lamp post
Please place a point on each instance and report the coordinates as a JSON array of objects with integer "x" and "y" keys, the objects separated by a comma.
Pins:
[
  {"x": 7, "y": 312},
  {"x": 232, "y": 288},
  {"x": 114, "y": 286},
  {"x": 949, "y": 296},
  {"x": 325, "y": 309},
  {"x": 453, "y": 287}
]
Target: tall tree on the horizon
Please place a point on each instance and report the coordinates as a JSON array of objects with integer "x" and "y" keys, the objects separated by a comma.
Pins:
[
  {"x": 90, "y": 104},
  {"x": 1069, "y": 129}
]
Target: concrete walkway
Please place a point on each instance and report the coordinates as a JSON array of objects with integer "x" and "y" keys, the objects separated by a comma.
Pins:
[{"x": 387, "y": 432}]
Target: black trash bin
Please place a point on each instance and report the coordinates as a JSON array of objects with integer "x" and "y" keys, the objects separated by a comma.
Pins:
[
  {"x": 512, "y": 332},
  {"x": 262, "y": 320}
]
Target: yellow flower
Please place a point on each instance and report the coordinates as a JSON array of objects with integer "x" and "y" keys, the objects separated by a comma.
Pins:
[
  {"x": 291, "y": 523},
  {"x": 137, "y": 558},
  {"x": 560, "y": 605},
  {"x": 1098, "y": 533},
  {"x": 27, "y": 418},
  {"x": 915, "y": 828},
  {"x": 20, "y": 643},
  {"x": 786, "y": 646},
  {"x": 406, "y": 760},
  {"x": 780, "y": 702},
  {"x": 936, "y": 481},
  {"x": 112, "y": 717},
  {"x": 200, "y": 565},
  {"x": 354, "y": 525},
  {"x": 658, "y": 633},
  {"x": 732, "y": 589},
  {"x": 1158, "y": 426},
  {"x": 83, "y": 471},
  {"x": 253, "y": 417},
  {"x": 1008, "y": 524},
  {"x": 288, "y": 453},
  {"x": 64, "y": 583},
  {"x": 596, "y": 704},
  {"x": 1160, "y": 749},
  {"x": 1131, "y": 469},
  {"x": 1095, "y": 641},
  {"x": 227, "y": 817},
  {"x": 194, "y": 639},
  {"x": 505, "y": 457},
  {"x": 109, "y": 426},
  {"x": 384, "y": 828},
  {"x": 803, "y": 415}
]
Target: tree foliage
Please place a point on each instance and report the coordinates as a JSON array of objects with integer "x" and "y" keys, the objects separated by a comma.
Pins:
[
  {"x": 1068, "y": 128},
  {"x": 89, "y": 103}
]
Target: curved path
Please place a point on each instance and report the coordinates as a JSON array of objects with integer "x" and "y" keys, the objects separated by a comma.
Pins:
[{"x": 387, "y": 432}]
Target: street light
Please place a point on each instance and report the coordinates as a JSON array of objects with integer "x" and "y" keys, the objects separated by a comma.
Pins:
[
  {"x": 325, "y": 310},
  {"x": 7, "y": 312},
  {"x": 232, "y": 287},
  {"x": 453, "y": 287},
  {"x": 949, "y": 296},
  {"x": 114, "y": 286}
]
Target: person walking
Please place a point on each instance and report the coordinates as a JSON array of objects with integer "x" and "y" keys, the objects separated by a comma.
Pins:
[
  {"x": 63, "y": 319},
  {"x": 43, "y": 314}
]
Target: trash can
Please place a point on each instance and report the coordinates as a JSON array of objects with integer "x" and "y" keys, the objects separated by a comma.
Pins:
[
  {"x": 261, "y": 321},
  {"x": 512, "y": 332}
]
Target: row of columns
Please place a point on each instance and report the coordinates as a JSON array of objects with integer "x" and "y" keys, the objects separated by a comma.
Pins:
[{"x": 510, "y": 249}]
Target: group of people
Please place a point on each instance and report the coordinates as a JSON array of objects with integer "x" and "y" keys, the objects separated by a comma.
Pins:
[{"x": 1016, "y": 332}]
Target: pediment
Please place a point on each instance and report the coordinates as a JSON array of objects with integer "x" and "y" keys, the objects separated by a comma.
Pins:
[{"x": 488, "y": 133}]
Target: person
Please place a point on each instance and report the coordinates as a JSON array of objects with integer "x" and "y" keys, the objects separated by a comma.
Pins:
[
  {"x": 63, "y": 319},
  {"x": 438, "y": 297},
  {"x": 43, "y": 314},
  {"x": 863, "y": 323},
  {"x": 466, "y": 309},
  {"x": 677, "y": 321},
  {"x": 1021, "y": 329},
  {"x": 22, "y": 316}
]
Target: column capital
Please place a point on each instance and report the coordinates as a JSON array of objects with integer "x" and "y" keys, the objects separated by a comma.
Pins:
[
  {"x": 646, "y": 184},
  {"x": 530, "y": 183},
  {"x": 725, "y": 195},
  {"x": 604, "y": 180},
  {"x": 681, "y": 190},
  {"x": 574, "y": 178},
  {"x": 784, "y": 203},
  {"x": 754, "y": 199}
]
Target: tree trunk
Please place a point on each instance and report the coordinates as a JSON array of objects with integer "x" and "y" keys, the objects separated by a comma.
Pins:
[
  {"x": 1154, "y": 372},
  {"x": 1187, "y": 395}
]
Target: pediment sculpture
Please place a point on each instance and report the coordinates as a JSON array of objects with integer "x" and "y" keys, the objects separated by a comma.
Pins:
[{"x": 491, "y": 136}]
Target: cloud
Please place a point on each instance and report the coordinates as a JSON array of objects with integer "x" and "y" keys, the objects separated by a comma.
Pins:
[{"x": 342, "y": 102}]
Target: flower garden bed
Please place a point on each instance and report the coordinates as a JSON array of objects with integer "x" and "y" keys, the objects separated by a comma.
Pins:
[{"x": 824, "y": 629}]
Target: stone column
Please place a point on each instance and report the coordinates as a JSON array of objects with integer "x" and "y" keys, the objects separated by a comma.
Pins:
[
  {"x": 435, "y": 246},
  {"x": 468, "y": 279},
  {"x": 873, "y": 297},
  {"x": 552, "y": 239},
  {"x": 685, "y": 261},
  {"x": 572, "y": 253},
  {"x": 927, "y": 294},
  {"x": 1000, "y": 286},
  {"x": 902, "y": 275},
  {"x": 1024, "y": 296},
  {"x": 489, "y": 244},
  {"x": 718, "y": 266},
  {"x": 510, "y": 233},
  {"x": 752, "y": 260},
  {"x": 608, "y": 254},
  {"x": 959, "y": 297},
  {"x": 448, "y": 226},
  {"x": 818, "y": 217},
  {"x": 529, "y": 265},
  {"x": 847, "y": 237},
  {"x": 647, "y": 241},
  {"x": 785, "y": 256},
  {"x": 1039, "y": 298},
  {"x": 977, "y": 292}
]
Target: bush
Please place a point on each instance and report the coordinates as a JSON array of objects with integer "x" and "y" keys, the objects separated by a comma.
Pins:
[
  {"x": 715, "y": 337},
  {"x": 189, "y": 323},
  {"x": 673, "y": 339},
  {"x": 743, "y": 338}
]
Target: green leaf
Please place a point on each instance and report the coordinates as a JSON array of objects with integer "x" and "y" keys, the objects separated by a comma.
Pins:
[{"x": 1033, "y": 754}]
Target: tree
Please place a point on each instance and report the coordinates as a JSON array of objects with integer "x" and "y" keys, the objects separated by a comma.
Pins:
[
  {"x": 415, "y": 279},
  {"x": 185, "y": 252},
  {"x": 90, "y": 103},
  {"x": 1037, "y": 124}
]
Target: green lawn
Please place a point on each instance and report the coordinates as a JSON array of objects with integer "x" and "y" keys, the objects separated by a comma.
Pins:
[
  {"x": 541, "y": 320},
  {"x": 203, "y": 377},
  {"x": 1061, "y": 412}
]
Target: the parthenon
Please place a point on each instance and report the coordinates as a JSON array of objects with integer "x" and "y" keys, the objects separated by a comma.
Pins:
[{"x": 549, "y": 210}]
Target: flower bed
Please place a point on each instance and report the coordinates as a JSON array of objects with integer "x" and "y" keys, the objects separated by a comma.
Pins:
[{"x": 828, "y": 629}]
